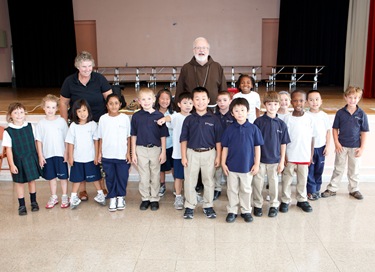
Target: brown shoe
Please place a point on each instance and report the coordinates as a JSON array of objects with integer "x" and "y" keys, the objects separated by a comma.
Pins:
[
  {"x": 83, "y": 196},
  {"x": 356, "y": 195},
  {"x": 328, "y": 193}
]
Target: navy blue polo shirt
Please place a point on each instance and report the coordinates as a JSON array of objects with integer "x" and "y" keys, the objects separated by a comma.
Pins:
[
  {"x": 74, "y": 90},
  {"x": 350, "y": 126},
  {"x": 144, "y": 126},
  {"x": 225, "y": 119},
  {"x": 201, "y": 131},
  {"x": 275, "y": 133},
  {"x": 240, "y": 141}
]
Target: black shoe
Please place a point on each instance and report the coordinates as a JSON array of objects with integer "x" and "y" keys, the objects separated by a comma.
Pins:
[
  {"x": 216, "y": 194},
  {"x": 247, "y": 217},
  {"x": 154, "y": 206},
  {"x": 272, "y": 212},
  {"x": 231, "y": 217},
  {"x": 209, "y": 212},
  {"x": 189, "y": 213},
  {"x": 305, "y": 206},
  {"x": 356, "y": 195},
  {"x": 284, "y": 207},
  {"x": 258, "y": 212},
  {"x": 34, "y": 206},
  {"x": 199, "y": 188},
  {"x": 144, "y": 205},
  {"x": 22, "y": 210}
]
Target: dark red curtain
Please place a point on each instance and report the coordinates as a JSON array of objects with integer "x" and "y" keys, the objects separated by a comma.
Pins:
[{"x": 369, "y": 89}]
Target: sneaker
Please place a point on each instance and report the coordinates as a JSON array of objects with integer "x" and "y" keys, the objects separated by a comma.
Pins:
[
  {"x": 268, "y": 198},
  {"x": 199, "y": 198},
  {"x": 64, "y": 201},
  {"x": 22, "y": 210},
  {"x": 179, "y": 202},
  {"x": 216, "y": 194},
  {"x": 112, "y": 204},
  {"x": 100, "y": 198},
  {"x": 356, "y": 195},
  {"x": 162, "y": 190},
  {"x": 318, "y": 194},
  {"x": 328, "y": 193},
  {"x": 305, "y": 206},
  {"x": 52, "y": 202},
  {"x": 74, "y": 202},
  {"x": 34, "y": 206},
  {"x": 209, "y": 212},
  {"x": 189, "y": 213},
  {"x": 120, "y": 203},
  {"x": 312, "y": 197}
]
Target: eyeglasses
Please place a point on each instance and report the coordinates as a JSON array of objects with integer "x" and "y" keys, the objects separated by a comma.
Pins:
[{"x": 201, "y": 48}]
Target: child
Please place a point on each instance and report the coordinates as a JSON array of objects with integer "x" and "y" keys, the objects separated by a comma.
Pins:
[
  {"x": 299, "y": 153},
  {"x": 245, "y": 85},
  {"x": 349, "y": 130},
  {"x": 50, "y": 136},
  {"x": 240, "y": 160},
  {"x": 83, "y": 152},
  {"x": 226, "y": 119},
  {"x": 321, "y": 144},
  {"x": 284, "y": 105},
  {"x": 272, "y": 159},
  {"x": 18, "y": 139},
  {"x": 164, "y": 104},
  {"x": 186, "y": 105},
  {"x": 114, "y": 151},
  {"x": 148, "y": 141},
  {"x": 200, "y": 134}
]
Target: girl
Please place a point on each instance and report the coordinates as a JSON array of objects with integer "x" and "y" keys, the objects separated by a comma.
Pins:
[
  {"x": 284, "y": 105},
  {"x": 82, "y": 151},
  {"x": 22, "y": 156},
  {"x": 114, "y": 151},
  {"x": 245, "y": 84},
  {"x": 164, "y": 104}
]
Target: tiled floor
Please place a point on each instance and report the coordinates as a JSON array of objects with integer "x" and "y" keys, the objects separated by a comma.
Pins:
[{"x": 337, "y": 236}]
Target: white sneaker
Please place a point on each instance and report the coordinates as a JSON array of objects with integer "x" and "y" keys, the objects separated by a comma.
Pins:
[
  {"x": 199, "y": 198},
  {"x": 74, "y": 202},
  {"x": 112, "y": 204},
  {"x": 179, "y": 202},
  {"x": 51, "y": 202},
  {"x": 64, "y": 201},
  {"x": 120, "y": 203},
  {"x": 100, "y": 198}
]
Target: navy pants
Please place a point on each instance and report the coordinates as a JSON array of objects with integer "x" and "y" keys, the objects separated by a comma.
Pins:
[
  {"x": 314, "y": 178},
  {"x": 116, "y": 176}
]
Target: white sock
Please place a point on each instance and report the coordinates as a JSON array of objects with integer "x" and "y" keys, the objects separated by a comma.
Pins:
[
  {"x": 100, "y": 192},
  {"x": 54, "y": 196}
]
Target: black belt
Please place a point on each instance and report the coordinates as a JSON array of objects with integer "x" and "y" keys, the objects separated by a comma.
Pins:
[
  {"x": 149, "y": 145},
  {"x": 202, "y": 149}
]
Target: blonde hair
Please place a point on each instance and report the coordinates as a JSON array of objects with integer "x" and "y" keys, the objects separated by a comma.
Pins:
[
  {"x": 12, "y": 107},
  {"x": 286, "y": 93},
  {"x": 145, "y": 91},
  {"x": 50, "y": 97},
  {"x": 83, "y": 56},
  {"x": 353, "y": 90}
]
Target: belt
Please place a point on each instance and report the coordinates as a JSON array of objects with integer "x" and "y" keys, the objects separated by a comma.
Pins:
[
  {"x": 149, "y": 145},
  {"x": 202, "y": 149}
]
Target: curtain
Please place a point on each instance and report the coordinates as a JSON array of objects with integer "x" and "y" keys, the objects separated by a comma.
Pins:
[
  {"x": 369, "y": 86},
  {"x": 356, "y": 41},
  {"x": 43, "y": 41}
]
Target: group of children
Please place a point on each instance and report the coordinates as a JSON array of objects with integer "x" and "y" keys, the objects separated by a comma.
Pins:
[{"x": 235, "y": 140}]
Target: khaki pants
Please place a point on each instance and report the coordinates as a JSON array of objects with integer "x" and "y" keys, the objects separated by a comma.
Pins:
[
  {"x": 302, "y": 172},
  {"x": 205, "y": 162},
  {"x": 239, "y": 192},
  {"x": 338, "y": 171},
  {"x": 149, "y": 172},
  {"x": 218, "y": 178},
  {"x": 273, "y": 180}
]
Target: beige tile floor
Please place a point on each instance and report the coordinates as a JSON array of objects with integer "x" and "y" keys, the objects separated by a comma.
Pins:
[{"x": 337, "y": 236}]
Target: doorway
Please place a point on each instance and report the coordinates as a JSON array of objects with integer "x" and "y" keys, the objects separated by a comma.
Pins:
[
  {"x": 270, "y": 36},
  {"x": 86, "y": 38}
]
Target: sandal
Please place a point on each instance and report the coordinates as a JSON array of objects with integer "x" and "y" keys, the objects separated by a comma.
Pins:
[{"x": 83, "y": 196}]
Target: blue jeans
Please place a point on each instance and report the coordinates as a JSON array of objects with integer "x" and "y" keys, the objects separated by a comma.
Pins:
[{"x": 314, "y": 178}]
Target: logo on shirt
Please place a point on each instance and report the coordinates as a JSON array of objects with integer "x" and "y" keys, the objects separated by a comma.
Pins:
[
  {"x": 279, "y": 131},
  {"x": 209, "y": 124}
]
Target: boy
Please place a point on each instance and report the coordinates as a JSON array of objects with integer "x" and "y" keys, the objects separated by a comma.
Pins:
[
  {"x": 321, "y": 144},
  {"x": 272, "y": 159},
  {"x": 240, "y": 159},
  {"x": 226, "y": 119},
  {"x": 148, "y": 141},
  {"x": 185, "y": 103},
  {"x": 50, "y": 136},
  {"x": 298, "y": 153},
  {"x": 200, "y": 135},
  {"x": 349, "y": 131}
]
